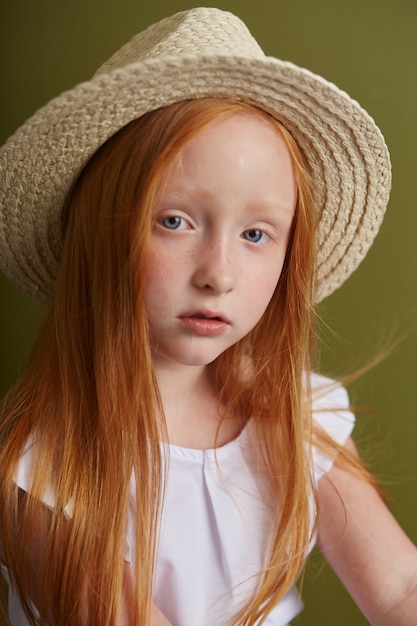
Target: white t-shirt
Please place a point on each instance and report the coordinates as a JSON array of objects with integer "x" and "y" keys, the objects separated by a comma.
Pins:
[{"x": 216, "y": 524}]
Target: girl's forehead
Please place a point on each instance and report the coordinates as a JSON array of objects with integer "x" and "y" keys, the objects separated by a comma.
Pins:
[
  {"x": 244, "y": 128},
  {"x": 241, "y": 156}
]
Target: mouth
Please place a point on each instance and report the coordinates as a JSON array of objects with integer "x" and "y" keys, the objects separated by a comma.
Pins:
[
  {"x": 204, "y": 322},
  {"x": 206, "y": 315}
]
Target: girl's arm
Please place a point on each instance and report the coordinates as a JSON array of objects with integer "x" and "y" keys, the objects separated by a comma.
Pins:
[
  {"x": 43, "y": 523},
  {"x": 367, "y": 549}
]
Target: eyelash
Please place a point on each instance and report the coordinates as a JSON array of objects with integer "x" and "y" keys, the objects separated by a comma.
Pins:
[{"x": 173, "y": 222}]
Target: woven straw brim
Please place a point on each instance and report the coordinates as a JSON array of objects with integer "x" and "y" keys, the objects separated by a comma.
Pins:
[{"x": 345, "y": 151}]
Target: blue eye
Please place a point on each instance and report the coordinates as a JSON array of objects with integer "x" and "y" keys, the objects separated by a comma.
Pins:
[
  {"x": 172, "y": 222},
  {"x": 255, "y": 236}
]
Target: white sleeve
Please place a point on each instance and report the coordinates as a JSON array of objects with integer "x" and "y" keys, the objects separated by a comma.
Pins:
[
  {"x": 23, "y": 479},
  {"x": 24, "y": 472},
  {"x": 331, "y": 412}
]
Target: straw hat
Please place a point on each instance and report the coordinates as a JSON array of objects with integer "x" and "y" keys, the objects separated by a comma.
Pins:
[{"x": 203, "y": 52}]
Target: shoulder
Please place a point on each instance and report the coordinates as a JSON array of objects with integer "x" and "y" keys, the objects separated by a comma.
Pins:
[
  {"x": 330, "y": 405},
  {"x": 327, "y": 393}
]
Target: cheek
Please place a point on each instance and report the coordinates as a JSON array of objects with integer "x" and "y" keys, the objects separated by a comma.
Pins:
[
  {"x": 266, "y": 276},
  {"x": 261, "y": 290},
  {"x": 155, "y": 281},
  {"x": 267, "y": 288},
  {"x": 162, "y": 280}
]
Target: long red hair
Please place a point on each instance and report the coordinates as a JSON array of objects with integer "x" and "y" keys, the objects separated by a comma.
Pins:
[{"x": 89, "y": 402}]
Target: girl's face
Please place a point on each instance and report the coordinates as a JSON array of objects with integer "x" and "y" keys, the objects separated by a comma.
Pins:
[{"x": 221, "y": 229}]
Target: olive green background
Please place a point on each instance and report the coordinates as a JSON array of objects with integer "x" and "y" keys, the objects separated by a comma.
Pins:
[{"x": 367, "y": 47}]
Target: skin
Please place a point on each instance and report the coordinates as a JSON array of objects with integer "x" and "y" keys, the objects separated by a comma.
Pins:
[
  {"x": 221, "y": 229},
  {"x": 220, "y": 234}
]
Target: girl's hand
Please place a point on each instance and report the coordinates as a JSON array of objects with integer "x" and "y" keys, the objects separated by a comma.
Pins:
[
  {"x": 127, "y": 618},
  {"x": 158, "y": 619}
]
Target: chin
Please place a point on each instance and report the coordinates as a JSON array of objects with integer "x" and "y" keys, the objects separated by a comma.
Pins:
[{"x": 197, "y": 359}]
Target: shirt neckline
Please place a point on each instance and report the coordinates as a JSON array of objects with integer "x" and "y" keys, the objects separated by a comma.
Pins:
[{"x": 177, "y": 451}]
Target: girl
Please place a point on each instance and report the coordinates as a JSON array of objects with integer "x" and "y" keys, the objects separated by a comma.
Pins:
[{"x": 168, "y": 456}]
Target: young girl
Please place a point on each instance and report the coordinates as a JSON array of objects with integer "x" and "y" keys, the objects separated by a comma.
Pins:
[{"x": 168, "y": 456}]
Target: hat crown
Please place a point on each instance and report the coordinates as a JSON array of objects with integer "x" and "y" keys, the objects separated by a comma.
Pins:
[
  {"x": 197, "y": 32},
  {"x": 200, "y": 53}
]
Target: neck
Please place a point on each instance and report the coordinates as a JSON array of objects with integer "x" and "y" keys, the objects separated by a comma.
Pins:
[
  {"x": 177, "y": 383},
  {"x": 191, "y": 407}
]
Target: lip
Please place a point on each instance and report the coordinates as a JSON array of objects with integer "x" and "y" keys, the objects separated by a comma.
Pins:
[
  {"x": 204, "y": 322},
  {"x": 206, "y": 314}
]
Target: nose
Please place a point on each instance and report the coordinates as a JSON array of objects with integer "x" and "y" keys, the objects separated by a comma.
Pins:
[{"x": 215, "y": 269}]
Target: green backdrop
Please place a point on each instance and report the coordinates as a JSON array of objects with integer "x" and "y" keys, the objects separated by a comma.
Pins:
[{"x": 369, "y": 48}]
